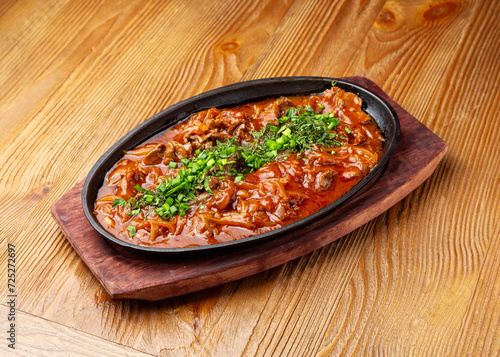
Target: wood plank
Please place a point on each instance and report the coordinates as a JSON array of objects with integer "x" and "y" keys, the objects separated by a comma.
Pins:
[
  {"x": 416, "y": 280},
  {"x": 480, "y": 328},
  {"x": 38, "y": 337},
  {"x": 27, "y": 84},
  {"x": 415, "y": 283},
  {"x": 316, "y": 38}
]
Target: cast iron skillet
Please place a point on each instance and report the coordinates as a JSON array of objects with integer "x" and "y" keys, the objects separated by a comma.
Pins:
[{"x": 229, "y": 96}]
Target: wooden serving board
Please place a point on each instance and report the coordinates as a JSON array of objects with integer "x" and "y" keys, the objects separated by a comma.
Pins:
[{"x": 152, "y": 278}]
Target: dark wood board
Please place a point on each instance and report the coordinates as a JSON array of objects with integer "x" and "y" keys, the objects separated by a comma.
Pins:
[{"x": 153, "y": 278}]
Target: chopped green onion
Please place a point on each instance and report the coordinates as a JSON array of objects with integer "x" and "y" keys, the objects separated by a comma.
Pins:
[
  {"x": 210, "y": 163},
  {"x": 297, "y": 130}
]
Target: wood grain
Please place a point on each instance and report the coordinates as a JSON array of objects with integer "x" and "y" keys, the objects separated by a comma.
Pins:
[
  {"x": 421, "y": 279},
  {"x": 40, "y": 338}
]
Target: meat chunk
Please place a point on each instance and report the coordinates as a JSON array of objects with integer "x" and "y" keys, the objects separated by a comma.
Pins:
[
  {"x": 323, "y": 180},
  {"x": 175, "y": 152},
  {"x": 155, "y": 156},
  {"x": 223, "y": 196}
]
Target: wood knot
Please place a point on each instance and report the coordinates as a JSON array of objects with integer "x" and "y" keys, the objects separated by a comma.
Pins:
[
  {"x": 386, "y": 18},
  {"x": 439, "y": 11},
  {"x": 230, "y": 46},
  {"x": 39, "y": 192}
]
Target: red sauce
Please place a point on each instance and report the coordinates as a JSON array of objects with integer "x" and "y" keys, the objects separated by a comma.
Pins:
[{"x": 275, "y": 195}]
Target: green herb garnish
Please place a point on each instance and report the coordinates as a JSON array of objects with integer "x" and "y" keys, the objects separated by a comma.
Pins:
[
  {"x": 297, "y": 130},
  {"x": 119, "y": 202},
  {"x": 131, "y": 230}
]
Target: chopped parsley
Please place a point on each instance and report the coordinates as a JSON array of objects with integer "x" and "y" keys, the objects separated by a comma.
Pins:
[
  {"x": 297, "y": 130},
  {"x": 119, "y": 202},
  {"x": 131, "y": 230}
]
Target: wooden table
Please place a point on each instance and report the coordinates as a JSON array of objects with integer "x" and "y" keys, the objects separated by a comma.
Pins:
[{"x": 421, "y": 279}]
